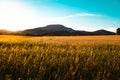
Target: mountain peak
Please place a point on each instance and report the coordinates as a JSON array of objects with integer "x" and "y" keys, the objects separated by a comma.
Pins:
[
  {"x": 103, "y": 32},
  {"x": 56, "y": 27}
]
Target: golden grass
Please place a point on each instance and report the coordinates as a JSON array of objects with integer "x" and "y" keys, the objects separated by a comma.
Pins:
[{"x": 60, "y": 58}]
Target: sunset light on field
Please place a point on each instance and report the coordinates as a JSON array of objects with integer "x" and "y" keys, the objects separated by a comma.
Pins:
[{"x": 59, "y": 39}]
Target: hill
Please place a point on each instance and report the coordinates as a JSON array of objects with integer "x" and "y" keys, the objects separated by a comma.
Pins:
[
  {"x": 103, "y": 32},
  {"x": 56, "y": 30},
  {"x": 48, "y": 30},
  {"x": 60, "y": 30}
]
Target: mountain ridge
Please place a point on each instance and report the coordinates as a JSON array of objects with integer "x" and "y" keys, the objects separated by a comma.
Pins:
[{"x": 58, "y": 30}]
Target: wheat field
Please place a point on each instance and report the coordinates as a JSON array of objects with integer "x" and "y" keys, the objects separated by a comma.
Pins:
[{"x": 59, "y": 58}]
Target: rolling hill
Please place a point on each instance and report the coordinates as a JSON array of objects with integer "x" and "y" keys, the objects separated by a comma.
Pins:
[{"x": 57, "y": 30}]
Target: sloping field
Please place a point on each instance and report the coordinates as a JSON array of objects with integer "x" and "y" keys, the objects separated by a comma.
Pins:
[{"x": 60, "y": 58}]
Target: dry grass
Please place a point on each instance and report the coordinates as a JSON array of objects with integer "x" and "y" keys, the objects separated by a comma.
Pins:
[{"x": 60, "y": 58}]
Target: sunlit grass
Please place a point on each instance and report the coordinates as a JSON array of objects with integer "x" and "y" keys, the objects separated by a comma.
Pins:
[{"x": 60, "y": 58}]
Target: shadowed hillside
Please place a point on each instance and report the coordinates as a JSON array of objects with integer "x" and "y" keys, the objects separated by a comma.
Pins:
[
  {"x": 49, "y": 30},
  {"x": 60, "y": 30},
  {"x": 56, "y": 30}
]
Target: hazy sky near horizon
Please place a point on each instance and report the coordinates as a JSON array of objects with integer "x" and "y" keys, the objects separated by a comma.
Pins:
[{"x": 87, "y": 15}]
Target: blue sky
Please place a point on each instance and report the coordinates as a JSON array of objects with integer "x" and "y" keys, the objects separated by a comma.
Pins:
[{"x": 87, "y": 15}]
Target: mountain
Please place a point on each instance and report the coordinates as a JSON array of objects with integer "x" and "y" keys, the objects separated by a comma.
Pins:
[
  {"x": 98, "y": 32},
  {"x": 49, "y": 30},
  {"x": 56, "y": 30},
  {"x": 103, "y": 32},
  {"x": 58, "y": 27}
]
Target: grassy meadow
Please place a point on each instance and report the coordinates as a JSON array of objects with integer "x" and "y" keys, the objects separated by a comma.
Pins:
[{"x": 59, "y": 58}]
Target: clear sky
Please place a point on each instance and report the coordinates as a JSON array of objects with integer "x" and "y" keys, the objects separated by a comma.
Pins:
[{"x": 87, "y": 15}]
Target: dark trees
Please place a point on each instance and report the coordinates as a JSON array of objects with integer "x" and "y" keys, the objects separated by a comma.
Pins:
[{"x": 118, "y": 31}]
